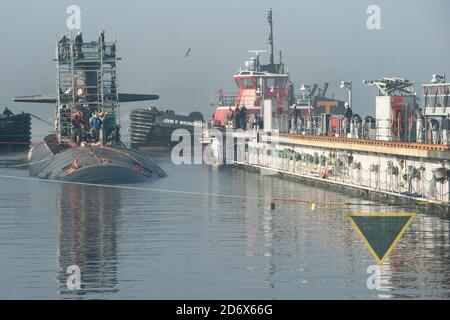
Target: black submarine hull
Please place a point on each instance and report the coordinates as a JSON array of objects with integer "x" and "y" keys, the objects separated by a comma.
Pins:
[{"x": 91, "y": 164}]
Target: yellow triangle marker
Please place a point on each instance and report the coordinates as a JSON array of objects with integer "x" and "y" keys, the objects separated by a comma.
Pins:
[{"x": 381, "y": 232}]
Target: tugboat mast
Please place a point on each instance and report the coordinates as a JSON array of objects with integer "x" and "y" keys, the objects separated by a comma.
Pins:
[{"x": 270, "y": 20}]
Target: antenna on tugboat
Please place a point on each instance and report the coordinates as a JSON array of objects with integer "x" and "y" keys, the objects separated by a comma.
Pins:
[
  {"x": 270, "y": 20},
  {"x": 257, "y": 53}
]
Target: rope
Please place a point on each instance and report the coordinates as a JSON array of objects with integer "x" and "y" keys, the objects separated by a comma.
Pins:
[
  {"x": 134, "y": 188},
  {"x": 26, "y": 164},
  {"x": 311, "y": 203},
  {"x": 44, "y": 121},
  {"x": 33, "y": 163}
]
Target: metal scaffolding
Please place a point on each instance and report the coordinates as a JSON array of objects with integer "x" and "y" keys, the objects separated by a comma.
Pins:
[{"x": 86, "y": 82}]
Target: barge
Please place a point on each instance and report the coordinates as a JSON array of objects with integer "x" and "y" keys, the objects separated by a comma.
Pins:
[
  {"x": 151, "y": 129},
  {"x": 15, "y": 131}
]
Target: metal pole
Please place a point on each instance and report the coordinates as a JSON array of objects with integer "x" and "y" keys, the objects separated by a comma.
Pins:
[
  {"x": 270, "y": 20},
  {"x": 350, "y": 96}
]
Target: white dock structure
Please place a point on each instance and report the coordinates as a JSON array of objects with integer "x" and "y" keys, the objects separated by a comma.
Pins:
[{"x": 408, "y": 170}]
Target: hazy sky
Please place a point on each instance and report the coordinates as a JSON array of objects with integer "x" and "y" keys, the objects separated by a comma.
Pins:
[{"x": 321, "y": 40}]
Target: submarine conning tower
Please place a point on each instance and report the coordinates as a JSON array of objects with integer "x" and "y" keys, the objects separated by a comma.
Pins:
[{"x": 86, "y": 81}]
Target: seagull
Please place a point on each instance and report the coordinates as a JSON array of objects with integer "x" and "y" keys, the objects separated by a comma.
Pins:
[{"x": 186, "y": 54}]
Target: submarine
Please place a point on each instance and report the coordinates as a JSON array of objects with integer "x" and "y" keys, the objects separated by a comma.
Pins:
[{"x": 85, "y": 145}]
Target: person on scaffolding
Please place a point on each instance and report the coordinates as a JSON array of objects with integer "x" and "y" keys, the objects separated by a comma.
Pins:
[
  {"x": 79, "y": 45},
  {"x": 113, "y": 50},
  {"x": 101, "y": 42},
  {"x": 114, "y": 135},
  {"x": 106, "y": 127},
  {"x": 63, "y": 47},
  {"x": 96, "y": 125},
  {"x": 7, "y": 112},
  {"x": 85, "y": 133},
  {"x": 76, "y": 128}
]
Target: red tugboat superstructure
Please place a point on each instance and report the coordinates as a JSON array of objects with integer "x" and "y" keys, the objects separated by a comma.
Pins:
[{"x": 257, "y": 82}]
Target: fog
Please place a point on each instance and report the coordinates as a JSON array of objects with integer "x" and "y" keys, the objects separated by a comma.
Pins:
[{"x": 321, "y": 41}]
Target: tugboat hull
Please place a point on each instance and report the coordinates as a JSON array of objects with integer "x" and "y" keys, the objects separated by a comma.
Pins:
[{"x": 91, "y": 164}]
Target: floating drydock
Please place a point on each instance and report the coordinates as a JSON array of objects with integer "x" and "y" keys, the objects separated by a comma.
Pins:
[
  {"x": 403, "y": 151},
  {"x": 85, "y": 146},
  {"x": 409, "y": 170}
]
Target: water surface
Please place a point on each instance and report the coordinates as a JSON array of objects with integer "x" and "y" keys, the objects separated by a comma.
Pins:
[{"x": 145, "y": 244}]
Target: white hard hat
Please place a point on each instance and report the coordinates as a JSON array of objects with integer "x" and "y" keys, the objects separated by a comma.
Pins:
[
  {"x": 80, "y": 33},
  {"x": 346, "y": 105}
]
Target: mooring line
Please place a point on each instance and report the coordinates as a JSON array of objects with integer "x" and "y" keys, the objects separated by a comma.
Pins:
[
  {"x": 44, "y": 121},
  {"x": 26, "y": 164},
  {"x": 132, "y": 188},
  {"x": 312, "y": 203}
]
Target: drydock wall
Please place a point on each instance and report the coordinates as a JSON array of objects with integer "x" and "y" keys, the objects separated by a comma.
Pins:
[{"x": 407, "y": 170}]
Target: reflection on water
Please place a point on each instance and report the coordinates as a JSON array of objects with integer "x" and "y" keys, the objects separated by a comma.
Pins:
[
  {"x": 87, "y": 237},
  {"x": 422, "y": 259},
  {"x": 155, "y": 245}
]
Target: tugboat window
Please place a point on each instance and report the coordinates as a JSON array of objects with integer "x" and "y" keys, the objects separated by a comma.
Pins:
[
  {"x": 248, "y": 83},
  {"x": 270, "y": 83}
]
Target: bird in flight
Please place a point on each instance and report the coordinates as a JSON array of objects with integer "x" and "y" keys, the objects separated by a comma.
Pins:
[{"x": 186, "y": 54}]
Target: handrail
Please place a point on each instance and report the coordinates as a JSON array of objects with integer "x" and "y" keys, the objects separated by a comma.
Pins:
[{"x": 411, "y": 145}]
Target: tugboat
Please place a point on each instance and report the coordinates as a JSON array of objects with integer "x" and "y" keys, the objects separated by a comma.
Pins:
[
  {"x": 15, "y": 131},
  {"x": 402, "y": 153},
  {"x": 151, "y": 129},
  {"x": 85, "y": 146},
  {"x": 257, "y": 83}
]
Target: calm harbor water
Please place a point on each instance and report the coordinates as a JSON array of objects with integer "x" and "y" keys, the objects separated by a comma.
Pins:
[{"x": 147, "y": 244}]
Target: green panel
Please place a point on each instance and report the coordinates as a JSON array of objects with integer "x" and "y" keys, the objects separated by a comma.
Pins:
[{"x": 380, "y": 232}]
